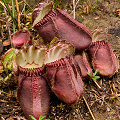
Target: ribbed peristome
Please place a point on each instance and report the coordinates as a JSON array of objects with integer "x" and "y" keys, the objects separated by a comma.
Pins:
[
  {"x": 57, "y": 52},
  {"x": 30, "y": 60}
]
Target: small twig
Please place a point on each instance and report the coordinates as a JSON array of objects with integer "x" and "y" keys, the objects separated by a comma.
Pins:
[
  {"x": 3, "y": 5},
  {"x": 97, "y": 84},
  {"x": 76, "y": 3},
  {"x": 78, "y": 114},
  {"x": 89, "y": 108},
  {"x": 117, "y": 112},
  {"x": 2, "y": 118},
  {"x": 18, "y": 13},
  {"x": 118, "y": 82},
  {"x": 23, "y": 9},
  {"x": 75, "y": 6},
  {"x": 27, "y": 4},
  {"x": 74, "y": 9},
  {"x": 69, "y": 116},
  {"x": 2, "y": 20}
]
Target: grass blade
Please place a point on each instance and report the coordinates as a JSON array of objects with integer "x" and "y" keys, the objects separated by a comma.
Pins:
[
  {"x": 27, "y": 5},
  {"x": 32, "y": 117},
  {"x": 18, "y": 15},
  {"x": 94, "y": 5},
  {"x": 11, "y": 14}
]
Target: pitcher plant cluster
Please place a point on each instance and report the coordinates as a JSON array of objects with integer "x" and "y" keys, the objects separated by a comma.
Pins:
[{"x": 63, "y": 66}]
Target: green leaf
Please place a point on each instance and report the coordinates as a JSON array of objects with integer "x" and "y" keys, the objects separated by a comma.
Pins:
[
  {"x": 8, "y": 67},
  {"x": 71, "y": 49},
  {"x": 94, "y": 5},
  {"x": 14, "y": 54},
  {"x": 96, "y": 72},
  {"x": 111, "y": 98},
  {"x": 8, "y": 58},
  {"x": 90, "y": 75},
  {"x": 93, "y": 75},
  {"x": 94, "y": 78},
  {"x": 32, "y": 117},
  {"x": 8, "y": 77},
  {"x": 97, "y": 77},
  {"x": 54, "y": 39},
  {"x": 28, "y": 23},
  {"x": 41, "y": 118},
  {"x": 45, "y": 10}
]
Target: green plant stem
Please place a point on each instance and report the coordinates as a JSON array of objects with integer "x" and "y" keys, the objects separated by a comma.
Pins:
[
  {"x": 4, "y": 92},
  {"x": 11, "y": 14},
  {"x": 8, "y": 76},
  {"x": 94, "y": 5}
]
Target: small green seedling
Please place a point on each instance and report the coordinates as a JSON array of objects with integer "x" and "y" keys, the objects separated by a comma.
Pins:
[
  {"x": 61, "y": 106},
  {"x": 93, "y": 76},
  {"x": 115, "y": 96},
  {"x": 40, "y": 118}
]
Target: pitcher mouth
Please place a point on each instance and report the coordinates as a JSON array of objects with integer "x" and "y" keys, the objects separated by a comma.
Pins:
[
  {"x": 58, "y": 52},
  {"x": 45, "y": 19},
  {"x": 42, "y": 13},
  {"x": 31, "y": 57}
]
